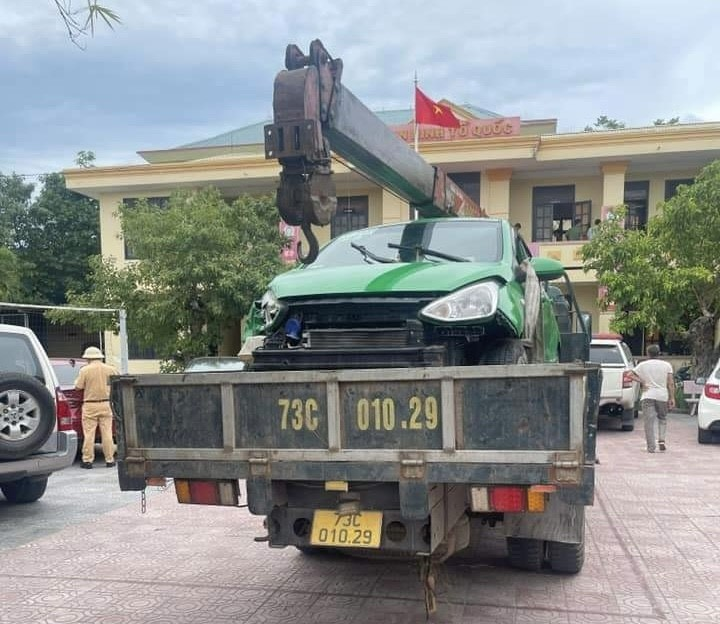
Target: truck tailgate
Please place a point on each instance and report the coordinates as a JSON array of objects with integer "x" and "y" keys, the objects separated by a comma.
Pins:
[
  {"x": 612, "y": 382},
  {"x": 452, "y": 424}
]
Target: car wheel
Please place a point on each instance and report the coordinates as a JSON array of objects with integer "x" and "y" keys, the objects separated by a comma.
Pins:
[
  {"x": 524, "y": 553},
  {"x": 27, "y": 415},
  {"x": 705, "y": 436},
  {"x": 566, "y": 558},
  {"x": 24, "y": 490},
  {"x": 628, "y": 420},
  {"x": 507, "y": 352}
]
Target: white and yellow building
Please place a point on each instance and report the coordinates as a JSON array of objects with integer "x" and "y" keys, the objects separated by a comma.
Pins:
[{"x": 519, "y": 170}]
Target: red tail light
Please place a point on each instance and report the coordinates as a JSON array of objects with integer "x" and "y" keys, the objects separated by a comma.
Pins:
[
  {"x": 507, "y": 498},
  {"x": 712, "y": 391},
  {"x": 62, "y": 409},
  {"x": 627, "y": 379}
]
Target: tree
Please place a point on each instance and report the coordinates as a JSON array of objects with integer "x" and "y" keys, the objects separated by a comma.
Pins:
[
  {"x": 605, "y": 123},
  {"x": 81, "y": 22},
  {"x": 670, "y": 273},
  {"x": 15, "y": 196},
  {"x": 58, "y": 234},
  {"x": 10, "y": 286},
  {"x": 203, "y": 263},
  {"x": 673, "y": 121}
]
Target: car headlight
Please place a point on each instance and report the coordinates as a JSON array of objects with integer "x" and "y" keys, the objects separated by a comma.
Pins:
[
  {"x": 475, "y": 302},
  {"x": 271, "y": 309}
]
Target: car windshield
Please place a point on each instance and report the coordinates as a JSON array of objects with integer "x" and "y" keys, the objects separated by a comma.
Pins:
[
  {"x": 446, "y": 240},
  {"x": 214, "y": 365},
  {"x": 67, "y": 371},
  {"x": 17, "y": 356},
  {"x": 606, "y": 354}
]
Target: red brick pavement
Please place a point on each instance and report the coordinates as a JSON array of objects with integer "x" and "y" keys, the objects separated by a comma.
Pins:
[{"x": 653, "y": 556}]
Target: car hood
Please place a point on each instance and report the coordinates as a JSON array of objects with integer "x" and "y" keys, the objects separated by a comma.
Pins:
[{"x": 417, "y": 277}]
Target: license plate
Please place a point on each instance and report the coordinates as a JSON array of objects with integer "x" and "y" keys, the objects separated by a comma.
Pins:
[{"x": 361, "y": 530}]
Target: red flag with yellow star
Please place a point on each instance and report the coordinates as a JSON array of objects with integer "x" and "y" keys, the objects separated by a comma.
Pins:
[{"x": 433, "y": 114}]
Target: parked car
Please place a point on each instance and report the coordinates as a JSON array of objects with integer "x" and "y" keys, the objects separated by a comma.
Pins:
[
  {"x": 619, "y": 393},
  {"x": 31, "y": 447},
  {"x": 708, "y": 408},
  {"x": 215, "y": 364},
  {"x": 70, "y": 410}
]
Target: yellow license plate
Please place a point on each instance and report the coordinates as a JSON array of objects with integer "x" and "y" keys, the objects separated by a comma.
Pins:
[{"x": 361, "y": 530}]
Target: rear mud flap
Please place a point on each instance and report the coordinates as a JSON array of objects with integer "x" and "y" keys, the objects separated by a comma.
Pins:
[{"x": 560, "y": 522}]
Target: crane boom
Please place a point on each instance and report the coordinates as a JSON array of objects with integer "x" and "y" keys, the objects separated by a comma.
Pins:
[{"x": 314, "y": 113}]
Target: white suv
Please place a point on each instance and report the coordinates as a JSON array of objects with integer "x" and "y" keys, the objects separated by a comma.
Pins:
[
  {"x": 619, "y": 393},
  {"x": 708, "y": 409},
  {"x": 31, "y": 447}
]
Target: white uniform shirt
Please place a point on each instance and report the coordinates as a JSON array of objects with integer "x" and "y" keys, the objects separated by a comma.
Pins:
[{"x": 653, "y": 375}]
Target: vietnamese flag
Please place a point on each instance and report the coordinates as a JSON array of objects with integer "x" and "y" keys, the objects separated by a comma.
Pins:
[{"x": 432, "y": 113}]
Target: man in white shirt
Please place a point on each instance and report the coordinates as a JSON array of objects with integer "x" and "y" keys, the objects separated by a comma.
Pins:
[{"x": 657, "y": 396}]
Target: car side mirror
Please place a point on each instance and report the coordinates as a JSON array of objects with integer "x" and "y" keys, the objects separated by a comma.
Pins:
[{"x": 547, "y": 269}]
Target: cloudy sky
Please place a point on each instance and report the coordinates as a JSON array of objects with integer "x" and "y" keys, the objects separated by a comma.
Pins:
[{"x": 177, "y": 71}]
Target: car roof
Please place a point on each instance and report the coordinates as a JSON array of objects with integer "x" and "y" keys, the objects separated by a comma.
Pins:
[{"x": 16, "y": 329}]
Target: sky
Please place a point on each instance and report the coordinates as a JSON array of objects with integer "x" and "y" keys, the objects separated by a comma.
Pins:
[{"x": 179, "y": 71}]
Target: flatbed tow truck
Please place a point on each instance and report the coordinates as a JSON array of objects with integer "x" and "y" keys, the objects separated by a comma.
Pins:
[{"x": 406, "y": 381}]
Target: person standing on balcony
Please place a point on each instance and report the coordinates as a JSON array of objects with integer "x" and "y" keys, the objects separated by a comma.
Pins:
[
  {"x": 93, "y": 380},
  {"x": 593, "y": 230},
  {"x": 575, "y": 233},
  {"x": 656, "y": 381}
]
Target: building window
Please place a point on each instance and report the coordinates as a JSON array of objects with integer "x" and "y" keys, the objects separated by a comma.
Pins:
[
  {"x": 553, "y": 212},
  {"x": 129, "y": 202},
  {"x": 636, "y": 200},
  {"x": 469, "y": 183},
  {"x": 671, "y": 186},
  {"x": 351, "y": 214}
]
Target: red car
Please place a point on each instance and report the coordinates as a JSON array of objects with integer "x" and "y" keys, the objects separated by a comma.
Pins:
[{"x": 69, "y": 409}]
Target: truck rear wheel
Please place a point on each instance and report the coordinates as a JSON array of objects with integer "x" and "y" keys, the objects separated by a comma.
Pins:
[
  {"x": 524, "y": 553},
  {"x": 628, "y": 420},
  {"x": 566, "y": 558}
]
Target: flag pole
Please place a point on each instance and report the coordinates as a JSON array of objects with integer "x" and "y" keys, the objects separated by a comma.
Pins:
[{"x": 415, "y": 113}]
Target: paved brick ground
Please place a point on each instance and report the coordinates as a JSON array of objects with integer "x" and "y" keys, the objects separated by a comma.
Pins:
[{"x": 653, "y": 555}]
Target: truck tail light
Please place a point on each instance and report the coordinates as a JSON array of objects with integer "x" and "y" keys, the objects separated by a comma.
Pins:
[
  {"x": 535, "y": 501},
  {"x": 62, "y": 409},
  {"x": 510, "y": 498},
  {"x": 627, "y": 379},
  {"x": 507, "y": 498},
  {"x": 207, "y": 492},
  {"x": 712, "y": 391}
]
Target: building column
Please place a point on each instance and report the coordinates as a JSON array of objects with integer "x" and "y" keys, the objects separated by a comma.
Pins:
[
  {"x": 613, "y": 196},
  {"x": 613, "y": 186},
  {"x": 495, "y": 192}
]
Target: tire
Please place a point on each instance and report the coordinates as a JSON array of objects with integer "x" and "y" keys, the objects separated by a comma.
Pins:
[
  {"x": 24, "y": 490},
  {"x": 524, "y": 553},
  {"x": 628, "y": 420},
  {"x": 506, "y": 352},
  {"x": 27, "y": 415},
  {"x": 566, "y": 558},
  {"x": 705, "y": 436}
]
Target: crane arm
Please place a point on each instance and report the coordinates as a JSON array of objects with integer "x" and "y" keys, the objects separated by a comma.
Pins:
[{"x": 313, "y": 112}]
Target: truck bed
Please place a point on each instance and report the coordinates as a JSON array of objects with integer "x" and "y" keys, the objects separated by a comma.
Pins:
[{"x": 486, "y": 424}]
